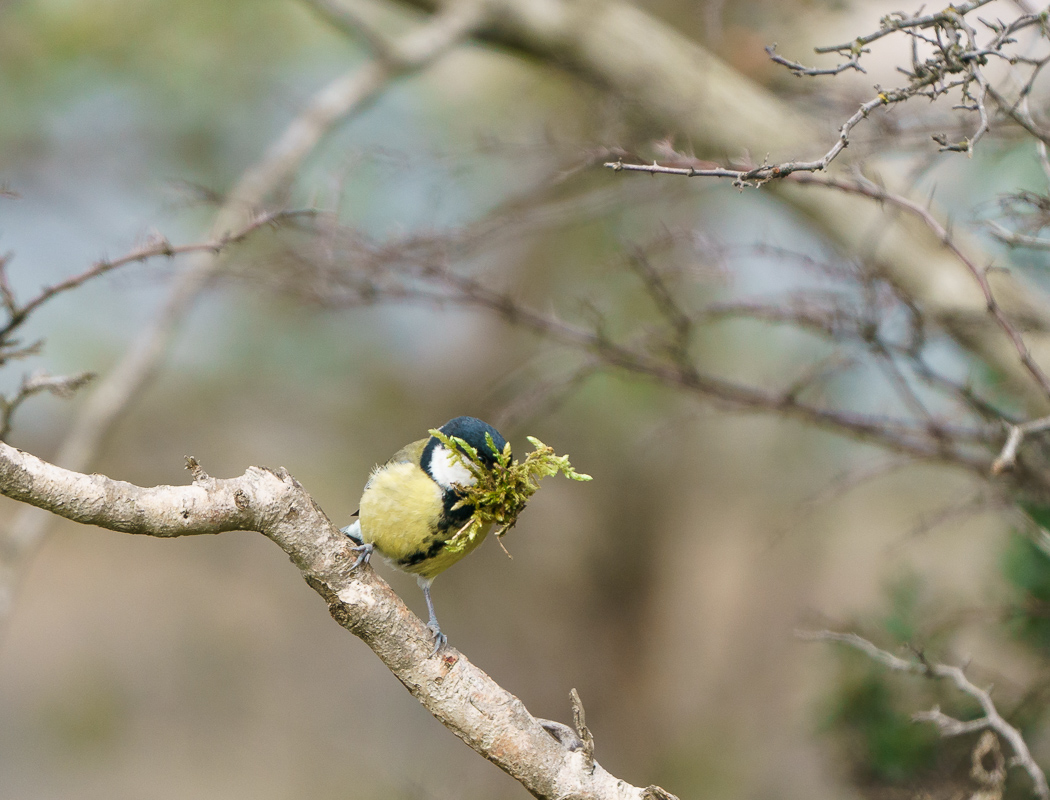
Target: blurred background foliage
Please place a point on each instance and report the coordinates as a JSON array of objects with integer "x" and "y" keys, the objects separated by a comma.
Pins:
[{"x": 666, "y": 591}]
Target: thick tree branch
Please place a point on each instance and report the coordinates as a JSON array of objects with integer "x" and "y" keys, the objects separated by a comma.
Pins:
[{"x": 466, "y": 700}]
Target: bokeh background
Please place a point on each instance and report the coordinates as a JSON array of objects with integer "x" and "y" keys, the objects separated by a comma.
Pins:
[{"x": 666, "y": 591}]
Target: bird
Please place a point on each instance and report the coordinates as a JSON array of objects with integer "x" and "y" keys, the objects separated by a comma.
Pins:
[{"x": 407, "y": 511}]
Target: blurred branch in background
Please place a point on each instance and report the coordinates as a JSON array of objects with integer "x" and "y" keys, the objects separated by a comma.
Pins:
[
  {"x": 991, "y": 718},
  {"x": 332, "y": 105},
  {"x": 344, "y": 269},
  {"x": 24, "y": 533}
]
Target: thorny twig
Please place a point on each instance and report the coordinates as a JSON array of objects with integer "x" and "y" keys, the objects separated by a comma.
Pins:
[
  {"x": 948, "y": 55},
  {"x": 60, "y": 385},
  {"x": 156, "y": 246},
  {"x": 866, "y": 188},
  {"x": 348, "y": 270},
  {"x": 948, "y": 726}
]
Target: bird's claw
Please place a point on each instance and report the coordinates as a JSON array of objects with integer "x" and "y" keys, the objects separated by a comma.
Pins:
[
  {"x": 364, "y": 554},
  {"x": 440, "y": 640},
  {"x": 362, "y": 548}
]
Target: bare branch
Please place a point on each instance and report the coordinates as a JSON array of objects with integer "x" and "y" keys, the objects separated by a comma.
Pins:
[
  {"x": 61, "y": 385},
  {"x": 155, "y": 247},
  {"x": 763, "y": 173},
  {"x": 467, "y": 701},
  {"x": 949, "y": 727},
  {"x": 800, "y": 70},
  {"x": 1015, "y": 435},
  {"x": 871, "y": 190}
]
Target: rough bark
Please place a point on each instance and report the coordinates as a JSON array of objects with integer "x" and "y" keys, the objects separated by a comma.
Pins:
[{"x": 465, "y": 699}]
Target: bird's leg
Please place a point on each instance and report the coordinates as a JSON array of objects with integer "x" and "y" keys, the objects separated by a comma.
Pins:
[
  {"x": 439, "y": 638},
  {"x": 363, "y": 549}
]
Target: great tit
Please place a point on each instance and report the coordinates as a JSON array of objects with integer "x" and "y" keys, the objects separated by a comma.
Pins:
[{"x": 407, "y": 509}]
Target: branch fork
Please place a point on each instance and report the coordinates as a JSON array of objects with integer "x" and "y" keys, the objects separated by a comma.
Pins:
[{"x": 991, "y": 720}]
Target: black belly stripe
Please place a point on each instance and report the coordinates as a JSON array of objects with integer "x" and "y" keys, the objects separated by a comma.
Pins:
[
  {"x": 422, "y": 555},
  {"x": 454, "y": 518},
  {"x": 450, "y": 523}
]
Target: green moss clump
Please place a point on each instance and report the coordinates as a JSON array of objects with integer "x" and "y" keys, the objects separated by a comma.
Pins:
[{"x": 500, "y": 493}]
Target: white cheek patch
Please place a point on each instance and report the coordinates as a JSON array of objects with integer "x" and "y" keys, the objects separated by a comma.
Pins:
[{"x": 446, "y": 470}]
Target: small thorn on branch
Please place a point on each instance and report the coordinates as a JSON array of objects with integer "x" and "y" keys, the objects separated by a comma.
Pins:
[
  {"x": 579, "y": 720},
  {"x": 196, "y": 470}
]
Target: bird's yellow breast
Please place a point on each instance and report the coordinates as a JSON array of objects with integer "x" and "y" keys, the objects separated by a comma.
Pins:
[{"x": 401, "y": 514}]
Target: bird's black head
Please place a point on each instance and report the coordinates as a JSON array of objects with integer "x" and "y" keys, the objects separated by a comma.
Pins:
[
  {"x": 436, "y": 460},
  {"x": 472, "y": 431}
]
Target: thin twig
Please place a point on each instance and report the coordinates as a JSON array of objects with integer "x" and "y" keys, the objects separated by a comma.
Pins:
[
  {"x": 1012, "y": 239},
  {"x": 800, "y": 70},
  {"x": 157, "y": 246},
  {"x": 948, "y": 726},
  {"x": 60, "y": 385},
  {"x": 1007, "y": 457},
  {"x": 869, "y": 189}
]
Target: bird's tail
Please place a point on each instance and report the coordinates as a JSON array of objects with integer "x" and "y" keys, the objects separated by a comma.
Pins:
[{"x": 354, "y": 532}]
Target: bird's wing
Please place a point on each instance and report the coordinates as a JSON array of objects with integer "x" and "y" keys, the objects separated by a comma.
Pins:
[{"x": 410, "y": 453}]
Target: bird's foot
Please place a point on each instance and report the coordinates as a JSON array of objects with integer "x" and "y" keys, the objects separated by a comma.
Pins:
[
  {"x": 440, "y": 640},
  {"x": 363, "y": 549},
  {"x": 364, "y": 554}
]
